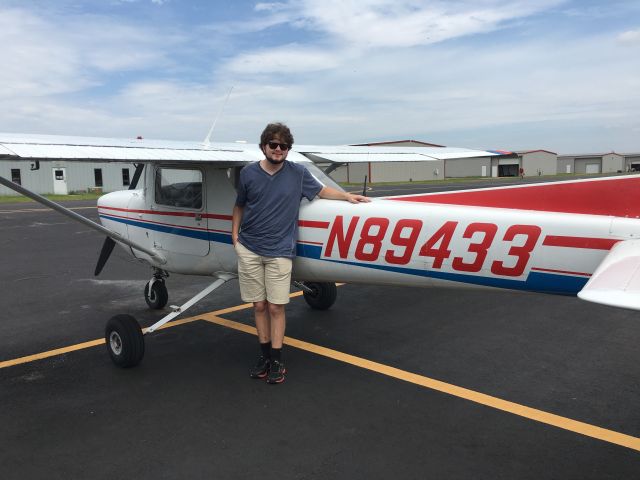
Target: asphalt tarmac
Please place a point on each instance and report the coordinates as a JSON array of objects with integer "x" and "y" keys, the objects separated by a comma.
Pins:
[{"x": 532, "y": 386}]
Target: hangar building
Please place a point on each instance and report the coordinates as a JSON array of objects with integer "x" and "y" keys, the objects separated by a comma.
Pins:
[
  {"x": 538, "y": 162},
  {"x": 62, "y": 178},
  {"x": 428, "y": 170},
  {"x": 611, "y": 162}
]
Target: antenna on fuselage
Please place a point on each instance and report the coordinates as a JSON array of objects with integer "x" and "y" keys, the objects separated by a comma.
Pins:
[{"x": 207, "y": 140}]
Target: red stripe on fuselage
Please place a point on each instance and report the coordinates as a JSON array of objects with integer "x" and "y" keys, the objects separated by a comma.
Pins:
[
  {"x": 313, "y": 224},
  {"x": 561, "y": 271},
  {"x": 579, "y": 242},
  {"x": 215, "y": 216},
  {"x": 618, "y": 197}
]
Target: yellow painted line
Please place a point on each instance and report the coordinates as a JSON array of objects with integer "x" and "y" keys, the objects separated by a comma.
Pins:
[
  {"x": 541, "y": 416},
  {"x": 551, "y": 419},
  {"x": 50, "y": 353},
  {"x": 94, "y": 343}
]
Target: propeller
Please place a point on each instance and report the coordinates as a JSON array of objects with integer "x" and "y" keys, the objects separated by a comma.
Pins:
[{"x": 109, "y": 243}]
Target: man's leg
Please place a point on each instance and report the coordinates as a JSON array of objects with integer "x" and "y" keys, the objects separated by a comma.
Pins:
[
  {"x": 263, "y": 323},
  {"x": 252, "y": 289},
  {"x": 277, "y": 284},
  {"x": 278, "y": 324}
]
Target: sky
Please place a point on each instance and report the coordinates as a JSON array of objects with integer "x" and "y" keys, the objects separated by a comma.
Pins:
[{"x": 556, "y": 75}]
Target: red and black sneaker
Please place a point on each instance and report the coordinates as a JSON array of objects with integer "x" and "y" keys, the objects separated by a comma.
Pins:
[
  {"x": 261, "y": 368},
  {"x": 276, "y": 372}
]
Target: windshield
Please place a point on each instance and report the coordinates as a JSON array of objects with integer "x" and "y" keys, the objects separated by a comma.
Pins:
[{"x": 321, "y": 176}]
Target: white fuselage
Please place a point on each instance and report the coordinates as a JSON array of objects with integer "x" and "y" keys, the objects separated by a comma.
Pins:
[{"x": 382, "y": 242}]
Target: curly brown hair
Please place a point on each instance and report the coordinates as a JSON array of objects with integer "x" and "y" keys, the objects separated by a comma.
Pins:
[{"x": 279, "y": 129}]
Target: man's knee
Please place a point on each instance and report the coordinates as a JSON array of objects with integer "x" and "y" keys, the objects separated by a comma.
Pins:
[
  {"x": 261, "y": 306},
  {"x": 275, "y": 309}
]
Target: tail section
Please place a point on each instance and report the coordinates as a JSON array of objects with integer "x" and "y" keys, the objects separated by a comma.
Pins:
[
  {"x": 616, "y": 281},
  {"x": 610, "y": 196}
]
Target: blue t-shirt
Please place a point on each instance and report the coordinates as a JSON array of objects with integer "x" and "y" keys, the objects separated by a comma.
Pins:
[{"x": 271, "y": 203}]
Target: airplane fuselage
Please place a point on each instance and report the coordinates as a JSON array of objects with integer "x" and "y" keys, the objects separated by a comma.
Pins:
[{"x": 387, "y": 241}]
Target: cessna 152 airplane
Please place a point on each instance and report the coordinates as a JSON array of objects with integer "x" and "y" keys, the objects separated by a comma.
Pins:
[{"x": 572, "y": 237}]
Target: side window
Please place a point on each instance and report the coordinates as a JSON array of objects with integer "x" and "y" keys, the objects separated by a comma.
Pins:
[
  {"x": 179, "y": 187},
  {"x": 233, "y": 174}
]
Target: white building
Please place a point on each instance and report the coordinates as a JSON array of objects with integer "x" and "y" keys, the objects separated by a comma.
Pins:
[{"x": 59, "y": 177}]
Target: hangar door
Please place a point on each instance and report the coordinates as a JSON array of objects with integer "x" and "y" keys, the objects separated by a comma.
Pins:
[
  {"x": 508, "y": 167},
  {"x": 592, "y": 168}
]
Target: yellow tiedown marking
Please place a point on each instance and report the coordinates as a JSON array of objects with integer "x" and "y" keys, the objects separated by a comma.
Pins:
[
  {"x": 460, "y": 392},
  {"x": 564, "y": 423},
  {"x": 94, "y": 343}
]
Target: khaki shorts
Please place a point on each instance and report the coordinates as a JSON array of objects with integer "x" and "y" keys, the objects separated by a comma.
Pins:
[{"x": 263, "y": 278}]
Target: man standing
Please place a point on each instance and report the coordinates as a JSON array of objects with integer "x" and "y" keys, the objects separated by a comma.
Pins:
[{"x": 265, "y": 232}]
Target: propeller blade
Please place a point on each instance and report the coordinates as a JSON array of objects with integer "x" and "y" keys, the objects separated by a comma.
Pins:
[
  {"x": 109, "y": 243},
  {"x": 107, "y": 248}
]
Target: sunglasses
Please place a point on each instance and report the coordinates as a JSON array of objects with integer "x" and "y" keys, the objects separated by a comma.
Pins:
[{"x": 283, "y": 146}]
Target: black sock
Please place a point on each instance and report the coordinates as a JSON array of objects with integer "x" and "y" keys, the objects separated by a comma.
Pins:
[
  {"x": 275, "y": 354},
  {"x": 266, "y": 349}
]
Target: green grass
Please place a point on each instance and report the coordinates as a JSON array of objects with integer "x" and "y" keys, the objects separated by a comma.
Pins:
[
  {"x": 441, "y": 181},
  {"x": 55, "y": 198}
]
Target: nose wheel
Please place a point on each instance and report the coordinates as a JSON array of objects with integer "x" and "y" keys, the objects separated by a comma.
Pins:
[{"x": 156, "y": 294}]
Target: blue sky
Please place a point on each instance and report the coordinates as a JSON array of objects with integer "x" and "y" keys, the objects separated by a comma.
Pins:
[{"x": 512, "y": 74}]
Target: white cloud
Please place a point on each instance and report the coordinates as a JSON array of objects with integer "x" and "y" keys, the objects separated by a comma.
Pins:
[
  {"x": 407, "y": 23},
  {"x": 43, "y": 57},
  {"x": 630, "y": 36},
  {"x": 270, "y": 7},
  {"x": 358, "y": 71},
  {"x": 285, "y": 60}
]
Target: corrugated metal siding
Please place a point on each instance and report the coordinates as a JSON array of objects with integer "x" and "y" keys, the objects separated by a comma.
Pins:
[
  {"x": 407, "y": 171},
  {"x": 612, "y": 163},
  {"x": 467, "y": 167},
  {"x": 80, "y": 176},
  {"x": 581, "y": 163},
  {"x": 39, "y": 181},
  {"x": 539, "y": 163}
]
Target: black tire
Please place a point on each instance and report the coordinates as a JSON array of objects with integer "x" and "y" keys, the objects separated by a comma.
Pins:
[
  {"x": 124, "y": 339},
  {"x": 322, "y": 296},
  {"x": 158, "y": 297}
]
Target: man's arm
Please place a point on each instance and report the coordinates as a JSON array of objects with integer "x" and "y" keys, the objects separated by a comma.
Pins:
[
  {"x": 235, "y": 224},
  {"x": 333, "y": 194}
]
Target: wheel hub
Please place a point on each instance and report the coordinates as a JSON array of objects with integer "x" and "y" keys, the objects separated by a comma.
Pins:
[{"x": 115, "y": 343}]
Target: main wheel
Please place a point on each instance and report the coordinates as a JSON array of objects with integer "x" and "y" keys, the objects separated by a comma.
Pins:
[
  {"x": 322, "y": 295},
  {"x": 124, "y": 339},
  {"x": 158, "y": 297}
]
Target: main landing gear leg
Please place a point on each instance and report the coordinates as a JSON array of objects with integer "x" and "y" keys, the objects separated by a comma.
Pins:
[{"x": 125, "y": 338}]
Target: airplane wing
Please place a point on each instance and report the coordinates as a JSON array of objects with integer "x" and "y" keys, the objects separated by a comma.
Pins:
[
  {"x": 54, "y": 147},
  {"x": 359, "y": 154},
  {"x": 616, "y": 281}
]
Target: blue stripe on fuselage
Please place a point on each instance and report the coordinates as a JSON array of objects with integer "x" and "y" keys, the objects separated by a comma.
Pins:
[
  {"x": 536, "y": 281},
  {"x": 174, "y": 230}
]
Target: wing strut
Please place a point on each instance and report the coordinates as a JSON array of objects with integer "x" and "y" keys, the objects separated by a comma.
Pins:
[{"x": 79, "y": 218}]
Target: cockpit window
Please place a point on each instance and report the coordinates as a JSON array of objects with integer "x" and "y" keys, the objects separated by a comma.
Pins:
[
  {"x": 179, "y": 187},
  {"x": 234, "y": 174},
  {"x": 321, "y": 176}
]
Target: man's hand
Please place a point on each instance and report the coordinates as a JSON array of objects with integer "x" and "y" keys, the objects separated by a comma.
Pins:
[
  {"x": 353, "y": 198},
  {"x": 333, "y": 194}
]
